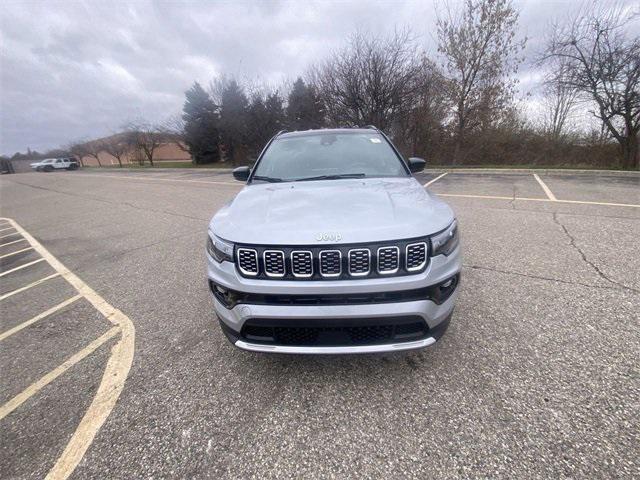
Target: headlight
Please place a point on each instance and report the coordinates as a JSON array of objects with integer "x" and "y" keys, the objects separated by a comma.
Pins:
[
  {"x": 220, "y": 250},
  {"x": 445, "y": 242}
]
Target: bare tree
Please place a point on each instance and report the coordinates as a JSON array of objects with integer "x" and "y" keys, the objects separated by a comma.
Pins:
[
  {"x": 420, "y": 132},
  {"x": 146, "y": 138},
  {"x": 373, "y": 80},
  {"x": 480, "y": 56},
  {"x": 86, "y": 148},
  {"x": 604, "y": 66},
  {"x": 559, "y": 100},
  {"x": 173, "y": 129},
  {"x": 117, "y": 146}
]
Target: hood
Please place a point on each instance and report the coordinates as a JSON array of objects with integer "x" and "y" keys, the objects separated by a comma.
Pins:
[{"x": 331, "y": 211}]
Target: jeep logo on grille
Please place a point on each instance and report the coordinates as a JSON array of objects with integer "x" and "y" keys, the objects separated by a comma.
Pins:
[{"x": 328, "y": 237}]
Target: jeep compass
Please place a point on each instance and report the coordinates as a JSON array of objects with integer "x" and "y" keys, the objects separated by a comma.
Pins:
[{"x": 333, "y": 247}]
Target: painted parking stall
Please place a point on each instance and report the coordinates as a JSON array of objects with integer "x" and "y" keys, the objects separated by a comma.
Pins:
[{"x": 121, "y": 332}]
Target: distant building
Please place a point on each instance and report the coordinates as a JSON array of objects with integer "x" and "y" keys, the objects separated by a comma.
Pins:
[{"x": 167, "y": 151}]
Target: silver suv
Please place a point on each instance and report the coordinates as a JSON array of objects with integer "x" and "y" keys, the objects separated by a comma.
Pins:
[{"x": 333, "y": 247}]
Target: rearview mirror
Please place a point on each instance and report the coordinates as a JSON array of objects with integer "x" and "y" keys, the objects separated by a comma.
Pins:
[
  {"x": 241, "y": 173},
  {"x": 416, "y": 164}
]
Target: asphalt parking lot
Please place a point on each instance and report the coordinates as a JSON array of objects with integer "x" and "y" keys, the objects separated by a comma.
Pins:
[{"x": 537, "y": 377}]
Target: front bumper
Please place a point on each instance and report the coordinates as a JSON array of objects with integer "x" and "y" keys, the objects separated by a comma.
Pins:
[{"x": 435, "y": 316}]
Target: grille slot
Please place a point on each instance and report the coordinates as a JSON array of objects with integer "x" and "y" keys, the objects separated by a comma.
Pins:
[
  {"x": 302, "y": 264},
  {"x": 388, "y": 260},
  {"x": 330, "y": 263},
  {"x": 274, "y": 263},
  {"x": 334, "y": 332},
  {"x": 416, "y": 257},
  {"x": 248, "y": 261},
  {"x": 359, "y": 262}
]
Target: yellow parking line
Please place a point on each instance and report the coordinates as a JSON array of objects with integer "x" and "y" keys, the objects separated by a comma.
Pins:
[
  {"x": 9, "y": 235},
  {"x": 12, "y": 242},
  {"x": 156, "y": 179},
  {"x": 546, "y": 189},
  {"x": 21, "y": 267},
  {"x": 34, "y": 388},
  {"x": 27, "y": 287},
  {"x": 115, "y": 372},
  {"x": 38, "y": 317},
  {"x": 16, "y": 252},
  {"x": 525, "y": 199},
  {"x": 435, "y": 179}
]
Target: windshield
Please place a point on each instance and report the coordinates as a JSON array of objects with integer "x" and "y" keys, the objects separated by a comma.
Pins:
[
  {"x": 48, "y": 160},
  {"x": 329, "y": 155}
]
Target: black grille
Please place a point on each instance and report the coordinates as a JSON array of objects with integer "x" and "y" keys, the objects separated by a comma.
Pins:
[
  {"x": 416, "y": 256},
  {"x": 335, "y": 262},
  {"x": 248, "y": 261},
  {"x": 330, "y": 263},
  {"x": 359, "y": 261},
  {"x": 301, "y": 264},
  {"x": 388, "y": 260},
  {"x": 334, "y": 332},
  {"x": 274, "y": 263}
]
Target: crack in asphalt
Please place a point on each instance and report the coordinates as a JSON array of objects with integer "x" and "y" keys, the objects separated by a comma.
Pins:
[
  {"x": 540, "y": 277},
  {"x": 513, "y": 199},
  {"x": 572, "y": 242}
]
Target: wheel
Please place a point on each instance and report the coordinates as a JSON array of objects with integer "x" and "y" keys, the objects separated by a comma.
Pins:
[{"x": 48, "y": 168}]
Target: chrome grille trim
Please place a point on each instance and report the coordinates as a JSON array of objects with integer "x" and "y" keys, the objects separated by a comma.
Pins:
[
  {"x": 391, "y": 271},
  {"x": 240, "y": 254},
  {"x": 267, "y": 263},
  {"x": 362, "y": 273},
  {"x": 409, "y": 255},
  {"x": 322, "y": 263},
  {"x": 295, "y": 253}
]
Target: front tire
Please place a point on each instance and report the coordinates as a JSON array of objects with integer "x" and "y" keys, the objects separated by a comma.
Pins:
[{"x": 48, "y": 168}]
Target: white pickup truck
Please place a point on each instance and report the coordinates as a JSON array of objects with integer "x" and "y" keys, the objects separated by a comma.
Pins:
[{"x": 51, "y": 164}]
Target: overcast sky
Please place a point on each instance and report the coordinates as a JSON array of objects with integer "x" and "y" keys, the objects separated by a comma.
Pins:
[{"x": 73, "y": 70}]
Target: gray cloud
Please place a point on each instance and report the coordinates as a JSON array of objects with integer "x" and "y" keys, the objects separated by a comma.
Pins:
[{"x": 72, "y": 70}]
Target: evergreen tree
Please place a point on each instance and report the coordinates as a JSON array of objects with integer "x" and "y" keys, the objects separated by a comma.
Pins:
[
  {"x": 265, "y": 117},
  {"x": 201, "y": 125},
  {"x": 233, "y": 117},
  {"x": 304, "y": 110}
]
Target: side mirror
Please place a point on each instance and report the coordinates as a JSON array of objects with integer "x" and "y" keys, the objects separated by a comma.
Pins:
[
  {"x": 416, "y": 164},
  {"x": 241, "y": 173}
]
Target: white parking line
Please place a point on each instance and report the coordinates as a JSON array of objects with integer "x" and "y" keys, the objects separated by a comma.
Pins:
[
  {"x": 16, "y": 252},
  {"x": 9, "y": 235},
  {"x": 435, "y": 179},
  {"x": 21, "y": 267},
  {"x": 115, "y": 372},
  {"x": 546, "y": 189},
  {"x": 27, "y": 287},
  {"x": 34, "y": 388},
  {"x": 3, "y": 229},
  {"x": 38, "y": 317},
  {"x": 525, "y": 199},
  {"x": 11, "y": 243}
]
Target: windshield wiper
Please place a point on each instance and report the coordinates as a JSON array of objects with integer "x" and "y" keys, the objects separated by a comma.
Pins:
[
  {"x": 331, "y": 177},
  {"x": 266, "y": 179}
]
